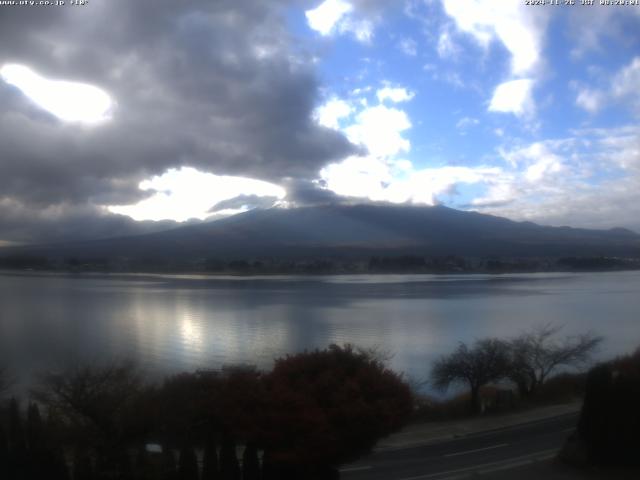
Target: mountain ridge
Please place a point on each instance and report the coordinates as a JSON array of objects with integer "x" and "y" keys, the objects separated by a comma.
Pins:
[{"x": 355, "y": 231}]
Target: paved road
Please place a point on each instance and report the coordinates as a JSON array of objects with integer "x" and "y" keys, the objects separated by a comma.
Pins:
[{"x": 478, "y": 453}]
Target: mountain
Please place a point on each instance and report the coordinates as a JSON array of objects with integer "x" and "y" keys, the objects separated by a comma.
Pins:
[{"x": 351, "y": 231}]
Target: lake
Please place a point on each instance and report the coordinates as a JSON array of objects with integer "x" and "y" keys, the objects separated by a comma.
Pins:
[{"x": 169, "y": 323}]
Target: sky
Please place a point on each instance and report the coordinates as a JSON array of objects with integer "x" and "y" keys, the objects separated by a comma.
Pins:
[{"x": 121, "y": 117}]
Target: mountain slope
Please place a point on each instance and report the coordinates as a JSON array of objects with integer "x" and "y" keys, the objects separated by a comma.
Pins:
[{"x": 355, "y": 231}]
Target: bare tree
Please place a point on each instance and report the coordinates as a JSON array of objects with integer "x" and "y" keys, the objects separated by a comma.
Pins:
[
  {"x": 486, "y": 361},
  {"x": 378, "y": 353},
  {"x": 538, "y": 353},
  {"x": 95, "y": 399}
]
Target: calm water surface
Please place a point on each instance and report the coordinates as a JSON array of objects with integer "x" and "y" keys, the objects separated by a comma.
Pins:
[{"x": 173, "y": 323}]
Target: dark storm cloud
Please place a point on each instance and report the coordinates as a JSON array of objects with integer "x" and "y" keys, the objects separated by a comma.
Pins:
[
  {"x": 213, "y": 85},
  {"x": 303, "y": 193},
  {"x": 20, "y": 224}
]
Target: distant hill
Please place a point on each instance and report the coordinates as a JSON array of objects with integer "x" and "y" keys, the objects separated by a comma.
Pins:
[{"x": 352, "y": 231}]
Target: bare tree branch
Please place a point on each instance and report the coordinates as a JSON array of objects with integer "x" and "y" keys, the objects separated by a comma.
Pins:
[
  {"x": 537, "y": 354},
  {"x": 91, "y": 397},
  {"x": 486, "y": 361}
]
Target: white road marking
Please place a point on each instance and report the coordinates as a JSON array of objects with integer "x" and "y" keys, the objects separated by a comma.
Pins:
[
  {"x": 457, "y": 454},
  {"x": 488, "y": 467}
]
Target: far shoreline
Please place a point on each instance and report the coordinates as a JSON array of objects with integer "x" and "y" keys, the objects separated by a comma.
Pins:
[{"x": 193, "y": 275}]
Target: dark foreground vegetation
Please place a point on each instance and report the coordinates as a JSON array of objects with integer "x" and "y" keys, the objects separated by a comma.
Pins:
[
  {"x": 526, "y": 362},
  {"x": 536, "y": 364},
  {"x": 313, "y": 412},
  {"x": 607, "y": 433},
  {"x": 310, "y": 414}
]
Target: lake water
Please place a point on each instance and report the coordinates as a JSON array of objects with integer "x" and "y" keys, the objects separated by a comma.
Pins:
[{"x": 173, "y": 323}]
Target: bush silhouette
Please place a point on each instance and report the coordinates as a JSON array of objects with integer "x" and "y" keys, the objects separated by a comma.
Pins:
[
  {"x": 210, "y": 467},
  {"x": 188, "y": 464},
  {"x": 250, "y": 463},
  {"x": 609, "y": 421},
  {"x": 169, "y": 468},
  {"x": 311, "y": 413},
  {"x": 328, "y": 407},
  {"x": 82, "y": 465},
  {"x": 229, "y": 466}
]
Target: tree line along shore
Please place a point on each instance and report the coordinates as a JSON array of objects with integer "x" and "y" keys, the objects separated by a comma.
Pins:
[{"x": 320, "y": 265}]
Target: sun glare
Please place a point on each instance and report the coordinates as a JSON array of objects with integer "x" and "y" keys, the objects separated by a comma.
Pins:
[
  {"x": 186, "y": 193},
  {"x": 68, "y": 101}
]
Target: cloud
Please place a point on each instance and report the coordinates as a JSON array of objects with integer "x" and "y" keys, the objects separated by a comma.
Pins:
[
  {"x": 519, "y": 29},
  {"x": 379, "y": 128},
  {"x": 446, "y": 47},
  {"x": 622, "y": 88},
  {"x": 450, "y": 77},
  {"x": 383, "y": 175},
  {"x": 242, "y": 203},
  {"x": 341, "y": 16},
  {"x": 362, "y": 30},
  {"x": 215, "y": 86},
  {"x": 590, "y": 100},
  {"x": 69, "y": 101},
  {"x": 395, "y": 95},
  {"x": 362, "y": 177},
  {"x": 514, "y": 96},
  {"x": 408, "y": 46},
  {"x": 591, "y": 179},
  {"x": 373, "y": 179},
  {"x": 466, "y": 122},
  {"x": 590, "y": 32},
  {"x": 326, "y": 16},
  {"x": 537, "y": 161},
  {"x": 625, "y": 84},
  {"x": 225, "y": 89},
  {"x": 428, "y": 185},
  {"x": 301, "y": 193},
  {"x": 188, "y": 193},
  {"x": 331, "y": 112},
  {"x": 21, "y": 224},
  {"x": 618, "y": 148},
  {"x": 585, "y": 179}
]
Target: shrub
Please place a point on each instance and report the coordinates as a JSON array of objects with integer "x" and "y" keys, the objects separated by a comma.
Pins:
[
  {"x": 328, "y": 407},
  {"x": 610, "y": 418}
]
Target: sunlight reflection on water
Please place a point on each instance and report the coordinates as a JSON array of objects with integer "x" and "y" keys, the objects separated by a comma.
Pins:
[{"x": 172, "y": 323}]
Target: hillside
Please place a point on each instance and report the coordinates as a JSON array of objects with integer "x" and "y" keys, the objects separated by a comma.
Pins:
[{"x": 351, "y": 232}]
